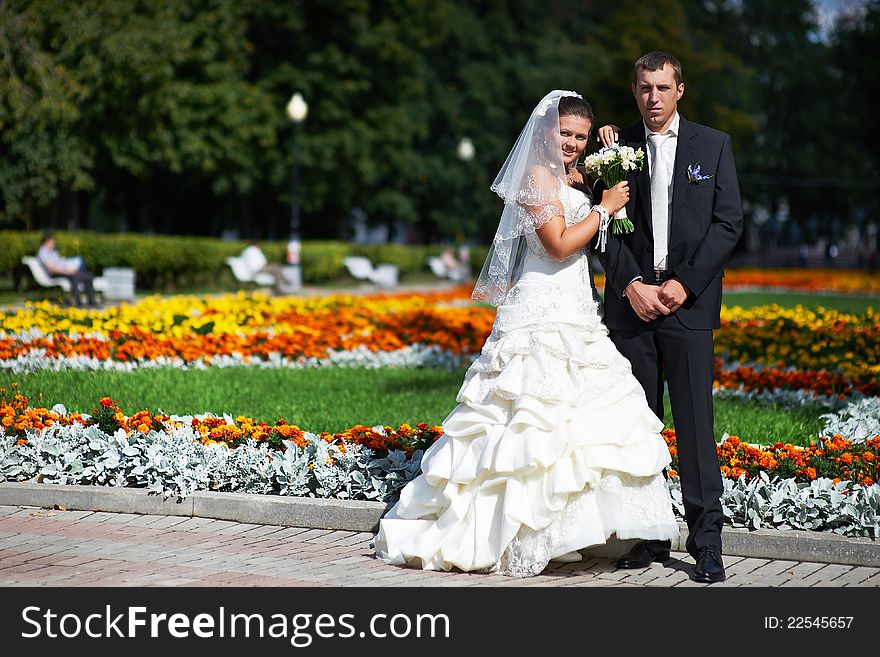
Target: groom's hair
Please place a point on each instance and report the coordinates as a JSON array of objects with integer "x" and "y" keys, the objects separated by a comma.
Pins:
[
  {"x": 654, "y": 61},
  {"x": 575, "y": 106}
]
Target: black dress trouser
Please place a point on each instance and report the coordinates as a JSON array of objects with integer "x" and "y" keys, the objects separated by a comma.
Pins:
[
  {"x": 81, "y": 281},
  {"x": 685, "y": 357}
]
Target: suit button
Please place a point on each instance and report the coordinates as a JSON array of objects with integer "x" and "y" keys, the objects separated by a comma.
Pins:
[{"x": 648, "y": 249}]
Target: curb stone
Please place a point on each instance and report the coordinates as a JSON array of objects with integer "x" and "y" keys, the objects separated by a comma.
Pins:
[{"x": 363, "y": 516}]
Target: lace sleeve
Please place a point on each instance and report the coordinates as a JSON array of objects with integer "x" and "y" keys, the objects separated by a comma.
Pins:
[{"x": 537, "y": 200}]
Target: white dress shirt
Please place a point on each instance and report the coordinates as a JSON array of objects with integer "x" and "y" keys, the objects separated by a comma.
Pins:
[{"x": 669, "y": 147}]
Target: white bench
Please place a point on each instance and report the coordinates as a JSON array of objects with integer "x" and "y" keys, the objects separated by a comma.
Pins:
[
  {"x": 383, "y": 275},
  {"x": 440, "y": 270},
  {"x": 44, "y": 279},
  {"x": 244, "y": 274}
]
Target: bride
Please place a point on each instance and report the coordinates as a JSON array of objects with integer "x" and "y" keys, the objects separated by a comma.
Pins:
[{"x": 552, "y": 447}]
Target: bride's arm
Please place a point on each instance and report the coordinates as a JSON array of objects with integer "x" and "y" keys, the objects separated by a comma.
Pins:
[{"x": 561, "y": 241}]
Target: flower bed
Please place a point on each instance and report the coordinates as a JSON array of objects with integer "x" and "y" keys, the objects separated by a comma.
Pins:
[
  {"x": 804, "y": 280},
  {"x": 804, "y": 339},
  {"x": 777, "y": 486},
  {"x": 763, "y": 348}
]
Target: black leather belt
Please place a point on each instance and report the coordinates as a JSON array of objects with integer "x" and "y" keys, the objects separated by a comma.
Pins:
[{"x": 661, "y": 275}]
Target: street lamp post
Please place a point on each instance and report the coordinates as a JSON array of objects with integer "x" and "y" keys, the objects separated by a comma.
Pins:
[
  {"x": 297, "y": 110},
  {"x": 465, "y": 152}
]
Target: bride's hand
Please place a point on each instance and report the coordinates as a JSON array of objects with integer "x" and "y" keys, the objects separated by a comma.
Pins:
[
  {"x": 615, "y": 198},
  {"x": 607, "y": 134}
]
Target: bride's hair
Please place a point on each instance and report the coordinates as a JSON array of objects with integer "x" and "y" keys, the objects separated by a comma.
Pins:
[
  {"x": 575, "y": 106},
  {"x": 568, "y": 106}
]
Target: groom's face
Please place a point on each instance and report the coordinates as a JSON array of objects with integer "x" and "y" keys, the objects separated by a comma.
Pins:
[{"x": 657, "y": 96}]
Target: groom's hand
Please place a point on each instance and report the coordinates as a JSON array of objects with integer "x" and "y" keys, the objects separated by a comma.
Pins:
[
  {"x": 645, "y": 302},
  {"x": 607, "y": 134},
  {"x": 672, "y": 294}
]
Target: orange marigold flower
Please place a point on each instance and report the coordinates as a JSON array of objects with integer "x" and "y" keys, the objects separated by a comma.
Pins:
[
  {"x": 106, "y": 401},
  {"x": 810, "y": 472}
]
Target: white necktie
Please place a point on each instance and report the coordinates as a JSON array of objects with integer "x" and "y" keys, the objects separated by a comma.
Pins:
[{"x": 659, "y": 200}]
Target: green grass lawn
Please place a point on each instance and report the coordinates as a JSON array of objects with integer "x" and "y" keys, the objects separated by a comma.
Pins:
[
  {"x": 842, "y": 302},
  {"x": 333, "y": 399}
]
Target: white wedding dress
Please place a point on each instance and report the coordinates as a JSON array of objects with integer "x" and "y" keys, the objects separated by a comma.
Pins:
[{"x": 552, "y": 447}]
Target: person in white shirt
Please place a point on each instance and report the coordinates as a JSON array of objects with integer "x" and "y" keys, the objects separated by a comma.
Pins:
[
  {"x": 663, "y": 290},
  {"x": 73, "y": 269}
]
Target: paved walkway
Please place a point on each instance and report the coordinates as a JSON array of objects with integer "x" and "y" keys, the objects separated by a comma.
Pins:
[{"x": 39, "y": 547}]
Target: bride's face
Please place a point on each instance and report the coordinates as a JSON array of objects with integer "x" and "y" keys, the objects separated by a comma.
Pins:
[{"x": 574, "y": 132}]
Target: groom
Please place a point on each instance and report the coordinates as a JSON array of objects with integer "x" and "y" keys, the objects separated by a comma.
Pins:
[{"x": 663, "y": 290}]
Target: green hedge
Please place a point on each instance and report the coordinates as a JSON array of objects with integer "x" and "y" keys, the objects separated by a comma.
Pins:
[{"x": 164, "y": 261}]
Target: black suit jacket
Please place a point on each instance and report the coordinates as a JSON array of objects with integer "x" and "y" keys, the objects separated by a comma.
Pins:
[{"x": 704, "y": 226}]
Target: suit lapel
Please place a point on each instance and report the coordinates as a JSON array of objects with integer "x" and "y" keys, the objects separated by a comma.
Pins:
[{"x": 684, "y": 155}]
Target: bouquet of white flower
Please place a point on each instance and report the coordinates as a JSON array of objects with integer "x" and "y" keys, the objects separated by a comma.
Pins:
[{"x": 611, "y": 165}]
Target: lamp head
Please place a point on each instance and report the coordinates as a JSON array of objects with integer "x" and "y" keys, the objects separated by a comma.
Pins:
[
  {"x": 466, "y": 149},
  {"x": 297, "y": 108}
]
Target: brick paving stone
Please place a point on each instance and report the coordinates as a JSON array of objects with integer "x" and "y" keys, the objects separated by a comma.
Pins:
[
  {"x": 116, "y": 518},
  {"x": 332, "y": 537},
  {"x": 15, "y": 540},
  {"x": 804, "y": 569},
  {"x": 773, "y": 581},
  {"x": 856, "y": 574},
  {"x": 214, "y": 525},
  {"x": 101, "y": 549},
  {"x": 167, "y": 522},
  {"x": 745, "y": 566},
  {"x": 344, "y": 537},
  {"x": 263, "y": 531},
  {"x": 615, "y": 575},
  {"x": 670, "y": 578},
  {"x": 103, "y": 516},
  {"x": 825, "y": 573},
  {"x": 76, "y": 516},
  {"x": 313, "y": 534},
  {"x": 234, "y": 529},
  {"x": 190, "y": 524},
  {"x": 772, "y": 568}
]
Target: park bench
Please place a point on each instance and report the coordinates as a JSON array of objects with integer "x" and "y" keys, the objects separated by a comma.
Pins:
[
  {"x": 44, "y": 279},
  {"x": 440, "y": 270},
  {"x": 244, "y": 274},
  {"x": 383, "y": 275}
]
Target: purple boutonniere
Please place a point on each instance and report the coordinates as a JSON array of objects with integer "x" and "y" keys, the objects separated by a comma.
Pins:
[{"x": 694, "y": 175}]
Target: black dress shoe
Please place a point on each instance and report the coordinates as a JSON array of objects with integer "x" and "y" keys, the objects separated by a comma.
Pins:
[
  {"x": 709, "y": 568},
  {"x": 644, "y": 553}
]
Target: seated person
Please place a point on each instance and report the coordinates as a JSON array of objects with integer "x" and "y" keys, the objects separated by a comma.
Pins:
[
  {"x": 457, "y": 271},
  {"x": 73, "y": 269}
]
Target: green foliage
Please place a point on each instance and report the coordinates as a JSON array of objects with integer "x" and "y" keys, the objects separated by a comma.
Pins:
[
  {"x": 322, "y": 261},
  {"x": 168, "y": 116},
  {"x": 169, "y": 262},
  {"x": 334, "y": 399}
]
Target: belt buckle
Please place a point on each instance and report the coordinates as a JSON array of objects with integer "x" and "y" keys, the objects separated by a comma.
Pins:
[{"x": 660, "y": 275}]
